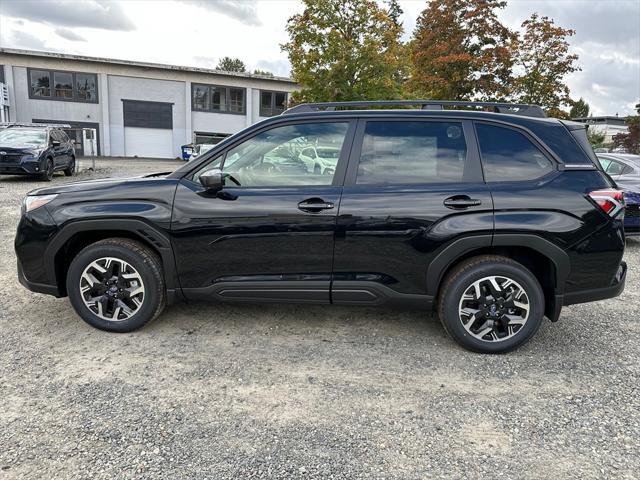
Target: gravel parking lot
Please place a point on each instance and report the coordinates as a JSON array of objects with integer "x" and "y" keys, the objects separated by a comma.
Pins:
[{"x": 264, "y": 391}]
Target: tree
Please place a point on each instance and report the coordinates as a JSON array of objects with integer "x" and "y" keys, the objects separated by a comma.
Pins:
[
  {"x": 461, "y": 51},
  {"x": 542, "y": 56},
  {"x": 596, "y": 139},
  {"x": 579, "y": 109},
  {"x": 264, "y": 73},
  {"x": 344, "y": 50},
  {"x": 228, "y": 64},
  {"x": 630, "y": 141}
]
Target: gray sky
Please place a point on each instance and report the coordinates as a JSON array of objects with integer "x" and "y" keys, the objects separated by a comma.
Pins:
[{"x": 199, "y": 32}]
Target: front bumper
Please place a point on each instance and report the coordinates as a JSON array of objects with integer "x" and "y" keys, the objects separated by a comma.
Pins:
[
  {"x": 24, "y": 168},
  {"x": 593, "y": 295},
  {"x": 35, "y": 286}
]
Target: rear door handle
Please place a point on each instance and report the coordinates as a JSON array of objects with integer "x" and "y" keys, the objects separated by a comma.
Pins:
[
  {"x": 315, "y": 205},
  {"x": 460, "y": 202}
]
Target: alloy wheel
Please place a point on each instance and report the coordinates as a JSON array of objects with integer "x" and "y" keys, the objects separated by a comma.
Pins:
[
  {"x": 112, "y": 289},
  {"x": 494, "y": 309}
]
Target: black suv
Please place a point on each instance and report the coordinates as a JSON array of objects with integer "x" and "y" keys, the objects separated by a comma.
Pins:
[
  {"x": 496, "y": 219},
  {"x": 35, "y": 149}
]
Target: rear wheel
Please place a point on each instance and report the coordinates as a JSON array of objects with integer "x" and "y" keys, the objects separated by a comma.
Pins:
[
  {"x": 491, "y": 304},
  {"x": 116, "y": 285},
  {"x": 47, "y": 174},
  {"x": 71, "y": 168}
]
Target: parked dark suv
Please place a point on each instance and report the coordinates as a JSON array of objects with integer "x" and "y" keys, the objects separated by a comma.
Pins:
[
  {"x": 35, "y": 149},
  {"x": 496, "y": 219}
]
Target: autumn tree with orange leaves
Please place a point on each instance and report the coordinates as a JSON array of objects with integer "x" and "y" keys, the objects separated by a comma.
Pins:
[{"x": 461, "y": 51}]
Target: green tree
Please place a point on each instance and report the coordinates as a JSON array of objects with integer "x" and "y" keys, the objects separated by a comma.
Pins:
[
  {"x": 579, "y": 109},
  {"x": 264, "y": 73},
  {"x": 461, "y": 51},
  {"x": 542, "y": 56},
  {"x": 630, "y": 141},
  {"x": 344, "y": 50},
  {"x": 228, "y": 64},
  {"x": 596, "y": 139}
]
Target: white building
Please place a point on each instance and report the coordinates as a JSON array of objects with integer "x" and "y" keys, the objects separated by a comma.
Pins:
[
  {"x": 609, "y": 126},
  {"x": 134, "y": 108}
]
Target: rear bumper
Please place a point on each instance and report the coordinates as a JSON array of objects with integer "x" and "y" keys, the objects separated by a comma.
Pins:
[{"x": 593, "y": 295}]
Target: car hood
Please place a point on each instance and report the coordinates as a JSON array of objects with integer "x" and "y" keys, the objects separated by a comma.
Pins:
[{"x": 100, "y": 184}]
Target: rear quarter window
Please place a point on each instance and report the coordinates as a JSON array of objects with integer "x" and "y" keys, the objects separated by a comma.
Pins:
[{"x": 508, "y": 155}]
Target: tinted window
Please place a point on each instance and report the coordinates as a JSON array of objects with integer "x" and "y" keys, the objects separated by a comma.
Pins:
[
  {"x": 412, "y": 152},
  {"x": 63, "y": 85},
  {"x": 508, "y": 155},
  {"x": 272, "y": 103},
  {"x": 86, "y": 88},
  {"x": 274, "y": 157},
  {"x": 219, "y": 99},
  {"x": 40, "y": 86}
]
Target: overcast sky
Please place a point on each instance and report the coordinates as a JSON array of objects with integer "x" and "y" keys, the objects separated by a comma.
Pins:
[{"x": 199, "y": 32}]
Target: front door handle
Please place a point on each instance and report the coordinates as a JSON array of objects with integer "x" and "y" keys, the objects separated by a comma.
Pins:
[
  {"x": 460, "y": 202},
  {"x": 315, "y": 205}
]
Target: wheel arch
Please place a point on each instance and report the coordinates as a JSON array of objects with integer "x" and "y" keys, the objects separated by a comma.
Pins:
[
  {"x": 77, "y": 235},
  {"x": 548, "y": 263}
]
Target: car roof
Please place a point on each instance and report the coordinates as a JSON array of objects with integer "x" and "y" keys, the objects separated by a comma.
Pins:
[{"x": 622, "y": 157}]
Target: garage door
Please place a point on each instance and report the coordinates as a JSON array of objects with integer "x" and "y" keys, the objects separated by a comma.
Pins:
[
  {"x": 148, "y": 142},
  {"x": 148, "y": 129}
]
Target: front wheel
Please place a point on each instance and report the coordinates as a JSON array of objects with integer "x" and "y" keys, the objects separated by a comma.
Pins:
[
  {"x": 116, "y": 285},
  {"x": 47, "y": 174},
  {"x": 71, "y": 168},
  {"x": 491, "y": 304}
]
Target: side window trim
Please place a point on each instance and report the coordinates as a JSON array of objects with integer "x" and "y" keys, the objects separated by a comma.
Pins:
[
  {"x": 341, "y": 167},
  {"x": 473, "y": 168},
  {"x": 534, "y": 140}
]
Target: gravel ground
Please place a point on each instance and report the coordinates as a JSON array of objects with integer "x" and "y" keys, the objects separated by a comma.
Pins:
[{"x": 252, "y": 391}]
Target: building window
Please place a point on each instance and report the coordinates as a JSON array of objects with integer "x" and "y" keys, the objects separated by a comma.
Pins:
[
  {"x": 272, "y": 103},
  {"x": 66, "y": 86},
  {"x": 63, "y": 85},
  {"x": 219, "y": 99}
]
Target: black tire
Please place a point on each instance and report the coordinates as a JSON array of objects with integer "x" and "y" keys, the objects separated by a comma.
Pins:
[
  {"x": 143, "y": 260},
  {"x": 460, "y": 281},
  {"x": 47, "y": 173},
  {"x": 71, "y": 168}
]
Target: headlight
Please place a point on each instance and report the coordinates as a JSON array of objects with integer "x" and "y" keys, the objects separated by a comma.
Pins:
[
  {"x": 32, "y": 155},
  {"x": 31, "y": 202}
]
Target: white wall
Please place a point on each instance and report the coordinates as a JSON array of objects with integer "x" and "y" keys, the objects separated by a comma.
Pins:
[
  {"x": 26, "y": 109},
  {"x": 129, "y": 88}
]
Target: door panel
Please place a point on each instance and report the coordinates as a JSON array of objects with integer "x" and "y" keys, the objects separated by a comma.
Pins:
[
  {"x": 253, "y": 235},
  {"x": 412, "y": 188},
  {"x": 391, "y": 234},
  {"x": 271, "y": 237}
]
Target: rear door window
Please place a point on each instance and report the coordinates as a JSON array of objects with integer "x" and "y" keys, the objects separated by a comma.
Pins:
[
  {"x": 509, "y": 155},
  {"x": 412, "y": 152}
]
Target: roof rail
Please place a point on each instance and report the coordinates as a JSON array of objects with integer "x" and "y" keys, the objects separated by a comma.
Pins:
[
  {"x": 26, "y": 124},
  {"x": 496, "y": 107}
]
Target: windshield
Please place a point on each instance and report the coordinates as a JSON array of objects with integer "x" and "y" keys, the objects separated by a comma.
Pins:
[{"x": 15, "y": 137}]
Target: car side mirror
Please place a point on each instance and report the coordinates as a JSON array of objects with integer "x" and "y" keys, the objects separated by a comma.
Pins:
[
  {"x": 55, "y": 143},
  {"x": 212, "y": 180}
]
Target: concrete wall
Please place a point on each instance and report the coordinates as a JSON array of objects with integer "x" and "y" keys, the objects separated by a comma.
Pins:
[
  {"x": 27, "y": 109},
  {"x": 118, "y": 80},
  {"x": 129, "y": 88}
]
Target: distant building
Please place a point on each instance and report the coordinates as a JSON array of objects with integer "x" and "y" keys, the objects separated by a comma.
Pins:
[
  {"x": 126, "y": 108},
  {"x": 607, "y": 125}
]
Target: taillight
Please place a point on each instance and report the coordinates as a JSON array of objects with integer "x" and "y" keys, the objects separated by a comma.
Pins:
[{"x": 610, "y": 201}]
